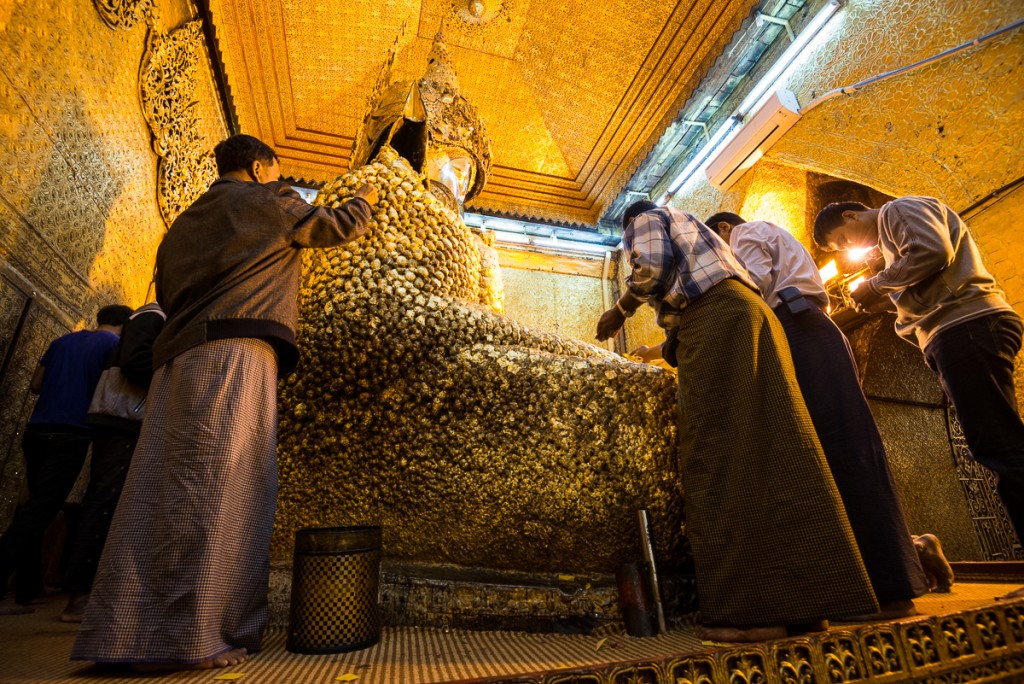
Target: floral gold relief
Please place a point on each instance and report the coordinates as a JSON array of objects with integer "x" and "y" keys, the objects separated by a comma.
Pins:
[
  {"x": 122, "y": 14},
  {"x": 167, "y": 86}
]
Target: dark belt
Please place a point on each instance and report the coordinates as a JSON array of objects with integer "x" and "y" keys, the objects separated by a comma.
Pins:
[{"x": 796, "y": 302}]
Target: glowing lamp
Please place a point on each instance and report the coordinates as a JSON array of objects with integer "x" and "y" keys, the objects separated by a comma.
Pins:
[
  {"x": 828, "y": 271},
  {"x": 858, "y": 253}
]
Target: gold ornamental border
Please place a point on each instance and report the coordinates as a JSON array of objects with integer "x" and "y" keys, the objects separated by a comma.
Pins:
[{"x": 979, "y": 645}]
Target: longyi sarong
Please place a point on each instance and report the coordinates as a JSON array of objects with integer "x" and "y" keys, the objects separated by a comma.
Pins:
[
  {"x": 827, "y": 373},
  {"x": 771, "y": 541},
  {"x": 185, "y": 568}
]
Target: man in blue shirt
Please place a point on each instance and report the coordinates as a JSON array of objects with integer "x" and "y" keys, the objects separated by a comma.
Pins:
[{"x": 55, "y": 445}]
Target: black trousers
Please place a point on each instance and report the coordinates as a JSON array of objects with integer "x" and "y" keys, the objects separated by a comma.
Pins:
[
  {"x": 974, "y": 361},
  {"x": 828, "y": 378},
  {"x": 111, "y": 455},
  {"x": 53, "y": 459}
]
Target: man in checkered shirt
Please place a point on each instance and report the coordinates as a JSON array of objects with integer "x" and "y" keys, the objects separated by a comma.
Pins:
[{"x": 773, "y": 549}]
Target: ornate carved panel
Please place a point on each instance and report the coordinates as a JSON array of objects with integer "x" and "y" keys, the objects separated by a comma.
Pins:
[
  {"x": 576, "y": 679},
  {"x": 957, "y": 637},
  {"x": 990, "y": 629},
  {"x": 881, "y": 651},
  {"x": 841, "y": 658},
  {"x": 692, "y": 671},
  {"x": 745, "y": 666},
  {"x": 794, "y": 662},
  {"x": 991, "y": 523},
  {"x": 122, "y": 14},
  {"x": 922, "y": 645},
  {"x": 167, "y": 85},
  {"x": 1015, "y": 621},
  {"x": 635, "y": 674}
]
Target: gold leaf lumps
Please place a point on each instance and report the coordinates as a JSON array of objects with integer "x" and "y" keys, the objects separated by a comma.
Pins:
[{"x": 472, "y": 438}]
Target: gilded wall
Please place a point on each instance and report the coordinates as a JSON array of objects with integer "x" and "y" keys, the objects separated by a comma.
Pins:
[
  {"x": 994, "y": 226},
  {"x": 560, "y": 303},
  {"x": 778, "y": 194},
  {"x": 79, "y": 216},
  {"x": 953, "y": 129}
]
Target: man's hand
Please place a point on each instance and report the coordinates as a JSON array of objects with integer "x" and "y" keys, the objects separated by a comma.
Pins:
[
  {"x": 609, "y": 324},
  {"x": 648, "y": 354},
  {"x": 368, "y": 192},
  {"x": 866, "y": 300}
]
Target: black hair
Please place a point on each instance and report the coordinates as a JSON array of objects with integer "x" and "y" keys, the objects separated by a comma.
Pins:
[
  {"x": 114, "y": 314},
  {"x": 727, "y": 216},
  {"x": 238, "y": 151},
  {"x": 635, "y": 209},
  {"x": 830, "y": 218}
]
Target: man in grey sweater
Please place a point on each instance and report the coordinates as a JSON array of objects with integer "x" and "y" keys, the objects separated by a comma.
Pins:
[{"x": 949, "y": 305}]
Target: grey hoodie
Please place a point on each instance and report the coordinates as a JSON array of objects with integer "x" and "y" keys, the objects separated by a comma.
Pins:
[{"x": 933, "y": 271}]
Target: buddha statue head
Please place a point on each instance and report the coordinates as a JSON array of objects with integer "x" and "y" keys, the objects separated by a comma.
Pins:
[{"x": 430, "y": 124}]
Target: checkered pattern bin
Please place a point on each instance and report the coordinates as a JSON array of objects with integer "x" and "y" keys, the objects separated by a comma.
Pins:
[{"x": 335, "y": 579}]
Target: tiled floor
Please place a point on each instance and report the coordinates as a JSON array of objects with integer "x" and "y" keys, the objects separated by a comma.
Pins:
[{"x": 34, "y": 650}]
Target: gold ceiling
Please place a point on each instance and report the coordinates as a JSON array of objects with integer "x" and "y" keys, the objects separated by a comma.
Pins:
[{"x": 573, "y": 93}]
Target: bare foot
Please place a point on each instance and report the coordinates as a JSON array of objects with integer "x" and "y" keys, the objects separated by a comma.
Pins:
[
  {"x": 231, "y": 658},
  {"x": 1015, "y": 594},
  {"x": 11, "y": 607},
  {"x": 75, "y": 610},
  {"x": 740, "y": 635},
  {"x": 936, "y": 567},
  {"x": 890, "y": 610}
]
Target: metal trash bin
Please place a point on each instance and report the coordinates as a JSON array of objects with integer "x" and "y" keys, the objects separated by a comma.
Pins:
[{"x": 335, "y": 580}]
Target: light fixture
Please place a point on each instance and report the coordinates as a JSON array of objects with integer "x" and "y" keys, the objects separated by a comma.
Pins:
[
  {"x": 758, "y": 93},
  {"x": 518, "y": 234},
  {"x": 777, "y": 71},
  {"x": 828, "y": 271},
  {"x": 507, "y": 225},
  {"x": 550, "y": 244},
  {"x": 702, "y": 156},
  {"x": 573, "y": 247},
  {"x": 858, "y": 254},
  {"x": 501, "y": 236}
]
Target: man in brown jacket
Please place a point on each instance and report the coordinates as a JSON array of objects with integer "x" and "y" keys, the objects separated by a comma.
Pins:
[{"x": 184, "y": 574}]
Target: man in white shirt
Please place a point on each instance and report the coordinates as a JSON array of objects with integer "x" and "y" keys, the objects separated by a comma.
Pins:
[{"x": 827, "y": 373}]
